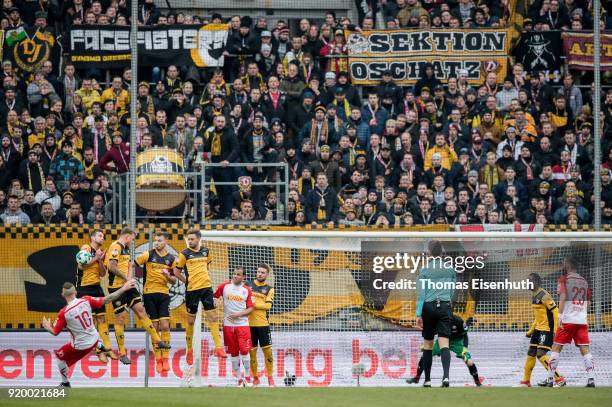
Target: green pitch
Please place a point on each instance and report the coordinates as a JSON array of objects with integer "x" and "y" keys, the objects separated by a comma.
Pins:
[{"x": 328, "y": 397}]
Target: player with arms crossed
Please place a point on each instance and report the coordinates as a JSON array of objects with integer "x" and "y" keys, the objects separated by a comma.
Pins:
[
  {"x": 574, "y": 297},
  {"x": 88, "y": 284},
  {"x": 194, "y": 262},
  {"x": 541, "y": 331},
  {"x": 156, "y": 276},
  {"x": 237, "y": 305},
  {"x": 117, "y": 262},
  {"x": 459, "y": 345},
  {"x": 76, "y": 316},
  {"x": 263, "y": 296}
]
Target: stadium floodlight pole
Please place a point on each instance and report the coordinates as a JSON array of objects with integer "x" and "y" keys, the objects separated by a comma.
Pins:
[
  {"x": 596, "y": 110},
  {"x": 597, "y": 154},
  {"x": 131, "y": 218}
]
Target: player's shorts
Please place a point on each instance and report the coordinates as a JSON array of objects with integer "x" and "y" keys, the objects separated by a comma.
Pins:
[
  {"x": 541, "y": 339},
  {"x": 261, "y": 336},
  {"x": 455, "y": 346},
  {"x": 70, "y": 355},
  {"x": 579, "y": 333},
  {"x": 237, "y": 340},
  {"x": 436, "y": 319},
  {"x": 204, "y": 295},
  {"x": 128, "y": 299},
  {"x": 95, "y": 291},
  {"x": 157, "y": 305}
]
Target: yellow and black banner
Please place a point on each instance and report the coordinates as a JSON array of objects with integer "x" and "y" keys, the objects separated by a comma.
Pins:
[
  {"x": 404, "y": 52},
  {"x": 109, "y": 46}
]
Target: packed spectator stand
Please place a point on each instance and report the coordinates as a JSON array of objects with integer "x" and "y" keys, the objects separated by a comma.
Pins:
[{"x": 517, "y": 148}]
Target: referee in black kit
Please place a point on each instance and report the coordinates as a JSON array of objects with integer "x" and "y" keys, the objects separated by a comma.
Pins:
[{"x": 435, "y": 288}]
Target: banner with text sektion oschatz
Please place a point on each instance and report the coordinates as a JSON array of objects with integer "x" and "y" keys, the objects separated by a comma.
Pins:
[
  {"x": 109, "y": 47},
  {"x": 405, "y": 51},
  {"x": 578, "y": 48},
  {"x": 316, "y": 359}
]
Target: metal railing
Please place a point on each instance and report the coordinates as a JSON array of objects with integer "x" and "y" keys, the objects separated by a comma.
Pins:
[
  {"x": 279, "y": 184},
  {"x": 196, "y": 192}
]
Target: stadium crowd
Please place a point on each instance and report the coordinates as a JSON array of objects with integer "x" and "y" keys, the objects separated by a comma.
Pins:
[{"x": 517, "y": 151}]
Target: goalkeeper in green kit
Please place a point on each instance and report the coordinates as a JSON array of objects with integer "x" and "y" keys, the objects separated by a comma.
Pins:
[{"x": 458, "y": 344}]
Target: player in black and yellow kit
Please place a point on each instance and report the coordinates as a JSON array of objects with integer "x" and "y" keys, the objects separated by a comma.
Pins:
[
  {"x": 542, "y": 330},
  {"x": 117, "y": 262},
  {"x": 157, "y": 264},
  {"x": 88, "y": 283},
  {"x": 194, "y": 262},
  {"x": 263, "y": 296}
]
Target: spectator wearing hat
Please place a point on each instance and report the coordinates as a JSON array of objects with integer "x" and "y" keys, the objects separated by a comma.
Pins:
[
  {"x": 387, "y": 86},
  {"x": 334, "y": 51},
  {"x": 31, "y": 172},
  {"x": 64, "y": 166},
  {"x": 510, "y": 142},
  {"x": 505, "y": 96},
  {"x": 325, "y": 164},
  {"x": 300, "y": 114},
  {"x": 322, "y": 202},
  {"x": 318, "y": 130},
  {"x": 383, "y": 164},
  {"x": 117, "y": 158},
  {"x": 257, "y": 147},
  {"x": 428, "y": 79}
]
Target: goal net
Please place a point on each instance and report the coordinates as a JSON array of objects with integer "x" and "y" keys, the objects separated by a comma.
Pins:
[{"x": 333, "y": 315}]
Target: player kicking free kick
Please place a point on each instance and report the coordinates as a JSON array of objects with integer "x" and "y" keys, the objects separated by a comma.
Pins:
[
  {"x": 76, "y": 316},
  {"x": 237, "y": 305},
  {"x": 574, "y": 297}
]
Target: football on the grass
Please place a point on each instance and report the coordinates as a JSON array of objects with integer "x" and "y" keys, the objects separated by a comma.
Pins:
[{"x": 83, "y": 257}]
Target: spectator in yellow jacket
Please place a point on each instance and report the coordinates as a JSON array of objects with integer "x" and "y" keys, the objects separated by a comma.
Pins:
[
  {"x": 88, "y": 94},
  {"x": 116, "y": 93},
  {"x": 447, "y": 154}
]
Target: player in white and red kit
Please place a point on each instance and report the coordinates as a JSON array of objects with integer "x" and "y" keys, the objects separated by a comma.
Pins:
[
  {"x": 76, "y": 316},
  {"x": 237, "y": 305},
  {"x": 574, "y": 297}
]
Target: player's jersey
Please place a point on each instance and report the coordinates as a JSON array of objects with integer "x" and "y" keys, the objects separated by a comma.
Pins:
[
  {"x": 545, "y": 311},
  {"x": 236, "y": 298},
  {"x": 117, "y": 251},
  {"x": 153, "y": 263},
  {"x": 90, "y": 274},
  {"x": 263, "y": 297},
  {"x": 577, "y": 296},
  {"x": 76, "y": 316},
  {"x": 195, "y": 264}
]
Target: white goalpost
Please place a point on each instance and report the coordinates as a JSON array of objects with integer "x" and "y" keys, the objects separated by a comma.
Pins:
[{"x": 332, "y": 327}]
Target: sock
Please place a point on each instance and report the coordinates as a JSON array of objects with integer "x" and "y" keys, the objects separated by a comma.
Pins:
[
  {"x": 189, "y": 336},
  {"x": 589, "y": 366},
  {"x": 529, "y": 365},
  {"x": 545, "y": 362},
  {"x": 214, "y": 331},
  {"x": 103, "y": 331},
  {"x": 474, "y": 372},
  {"x": 446, "y": 360},
  {"x": 63, "y": 369},
  {"x": 236, "y": 365},
  {"x": 419, "y": 371},
  {"x": 148, "y": 326},
  {"x": 269, "y": 359},
  {"x": 254, "y": 367},
  {"x": 427, "y": 359},
  {"x": 156, "y": 350},
  {"x": 120, "y": 335},
  {"x": 165, "y": 336},
  {"x": 553, "y": 361},
  {"x": 246, "y": 364}
]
